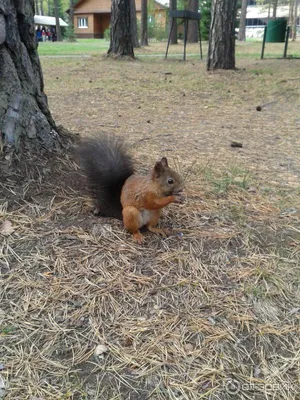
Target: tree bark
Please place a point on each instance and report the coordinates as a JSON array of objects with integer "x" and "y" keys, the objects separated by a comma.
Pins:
[
  {"x": 71, "y": 12},
  {"x": 36, "y": 7},
  {"x": 42, "y": 7},
  {"x": 70, "y": 32},
  {"x": 221, "y": 49},
  {"x": 173, "y": 7},
  {"x": 25, "y": 119},
  {"x": 56, "y": 13},
  {"x": 269, "y": 11},
  {"x": 121, "y": 43},
  {"x": 144, "y": 23},
  {"x": 193, "y": 32},
  {"x": 294, "y": 23},
  {"x": 242, "y": 27},
  {"x": 134, "y": 24},
  {"x": 291, "y": 16},
  {"x": 275, "y": 4}
]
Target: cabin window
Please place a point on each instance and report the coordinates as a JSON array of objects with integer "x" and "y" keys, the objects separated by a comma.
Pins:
[{"x": 82, "y": 22}]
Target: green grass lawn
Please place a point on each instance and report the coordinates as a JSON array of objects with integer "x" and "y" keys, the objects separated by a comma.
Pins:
[
  {"x": 80, "y": 47},
  {"x": 89, "y": 47}
]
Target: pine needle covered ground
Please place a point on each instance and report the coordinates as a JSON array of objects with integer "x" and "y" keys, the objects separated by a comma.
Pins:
[{"x": 211, "y": 312}]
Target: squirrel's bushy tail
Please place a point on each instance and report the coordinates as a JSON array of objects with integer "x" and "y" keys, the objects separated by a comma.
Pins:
[{"x": 107, "y": 165}]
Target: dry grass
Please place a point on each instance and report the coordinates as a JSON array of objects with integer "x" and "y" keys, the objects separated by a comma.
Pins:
[{"x": 181, "y": 316}]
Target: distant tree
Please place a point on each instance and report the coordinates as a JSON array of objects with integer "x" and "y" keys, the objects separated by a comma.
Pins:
[
  {"x": 70, "y": 31},
  {"x": 173, "y": 7},
  {"x": 294, "y": 7},
  {"x": 275, "y": 5},
  {"x": 291, "y": 15},
  {"x": 42, "y": 7},
  {"x": 25, "y": 119},
  {"x": 71, "y": 12},
  {"x": 144, "y": 23},
  {"x": 221, "y": 49},
  {"x": 36, "y": 7},
  {"x": 50, "y": 7},
  {"x": 63, "y": 5},
  {"x": 121, "y": 43},
  {"x": 134, "y": 24},
  {"x": 242, "y": 26},
  {"x": 193, "y": 32},
  {"x": 272, "y": 5},
  {"x": 56, "y": 14}
]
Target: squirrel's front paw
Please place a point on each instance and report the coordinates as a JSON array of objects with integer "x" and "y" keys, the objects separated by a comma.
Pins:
[{"x": 179, "y": 198}]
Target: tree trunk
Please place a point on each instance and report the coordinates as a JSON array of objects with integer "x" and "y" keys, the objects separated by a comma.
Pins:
[
  {"x": 295, "y": 17},
  {"x": 70, "y": 32},
  {"x": 269, "y": 11},
  {"x": 50, "y": 7},
  {"x": 42, "y": 7},
  {"x": 275, "y": 4},
  {"x": 36, "y": 7},
  {"x": 173, "y": 7},
  {"x": 121, "y": 43},
  {"x": 56, "y": 13},
  {"x": 291, "y": 16},
  {"x": 144, "y": 23},
  {"x": 25, "y": 119},
  {"x": 134, "y": 24},
  {"x": 71, "y": 12},
  {"x": 221, "y": 49},
  {"x": 242, "y": 27},
  {"x": 193, "y": 32}
]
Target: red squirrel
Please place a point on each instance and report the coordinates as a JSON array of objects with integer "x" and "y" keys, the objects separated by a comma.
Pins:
[{"x": 120, "y": 193}]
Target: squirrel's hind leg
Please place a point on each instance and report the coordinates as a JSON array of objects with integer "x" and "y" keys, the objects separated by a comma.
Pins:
[
  {"x": 133, "y": 221},
  {"x": 155, "y": 215}
]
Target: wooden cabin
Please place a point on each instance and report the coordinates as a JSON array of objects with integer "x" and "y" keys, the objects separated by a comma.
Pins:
[{"x": 92, "y": 17}]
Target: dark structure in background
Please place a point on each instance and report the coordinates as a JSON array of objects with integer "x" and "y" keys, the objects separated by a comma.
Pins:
[{"x": 186, "y": 16}]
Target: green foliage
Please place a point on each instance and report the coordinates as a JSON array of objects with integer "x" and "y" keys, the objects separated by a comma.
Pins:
[
  {"x": 150, "y": 7},
  {"x": 107, "y": 34},
  {"x": 205, "y": 10},
  {"x": 138, "y": 27},
  {"x": 7, "y": 330},
  {"x": 235, "y": 178},
  {"x": 182, "y": 4},
  {"x": 48, "y": 7},
  {"x": 69, "y": 33},
  {"x": 257, "y": 291},
  {"x": 156, "y": 31}
]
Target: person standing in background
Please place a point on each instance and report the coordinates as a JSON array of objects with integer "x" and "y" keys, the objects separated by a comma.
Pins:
[{"x": 44, "y": 35}]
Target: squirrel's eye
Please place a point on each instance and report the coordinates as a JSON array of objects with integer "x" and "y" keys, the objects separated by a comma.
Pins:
[{"x": 170, "y": 181}]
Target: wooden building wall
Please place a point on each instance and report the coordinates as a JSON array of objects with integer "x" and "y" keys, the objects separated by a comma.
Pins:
[{"x": 98, "y": 14}]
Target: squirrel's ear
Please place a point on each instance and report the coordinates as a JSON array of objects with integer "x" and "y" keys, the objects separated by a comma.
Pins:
[
  {"x": 158, "y": 169},
  {"x": 164, "y": 162}
]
